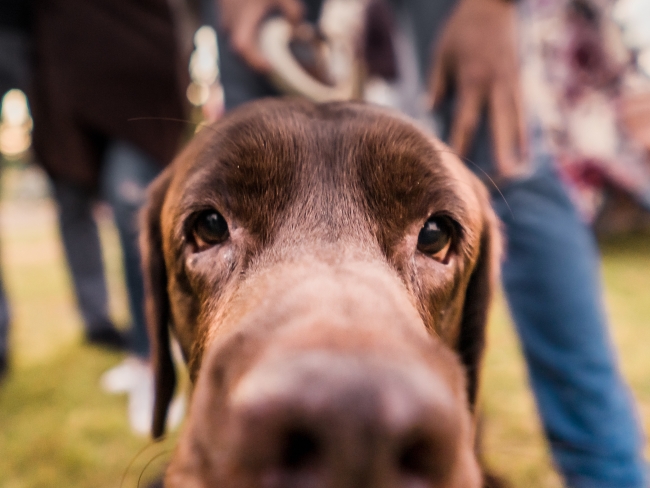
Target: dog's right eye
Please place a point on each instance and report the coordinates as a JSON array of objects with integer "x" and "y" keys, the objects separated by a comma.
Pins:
[
  {"x": 209, "y": 229},
  {"x": 435, "y": 238}
]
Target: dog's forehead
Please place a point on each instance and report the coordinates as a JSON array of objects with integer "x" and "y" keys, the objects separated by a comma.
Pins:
[{"x": 272, "y": 154}]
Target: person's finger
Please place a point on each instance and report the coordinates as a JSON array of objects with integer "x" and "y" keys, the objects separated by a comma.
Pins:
[
  {"x": 505, "y": 130},
  {"x": 521, "y": 124},
  {"x": 293, "y": 10},
  {"x": 437, "y": 82},
  {"x": 224, "y": 18},
  {"x": 466, "y": 118},
  {"x": 244, "y": 37}
]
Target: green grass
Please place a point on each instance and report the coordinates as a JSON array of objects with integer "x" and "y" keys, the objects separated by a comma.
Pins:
[{"x": 57, "y": 428}]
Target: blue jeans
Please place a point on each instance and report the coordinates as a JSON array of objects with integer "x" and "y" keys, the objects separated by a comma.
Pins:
[
  {"x": 552, "y": 285},
  {"x": 126, "y": 173}
]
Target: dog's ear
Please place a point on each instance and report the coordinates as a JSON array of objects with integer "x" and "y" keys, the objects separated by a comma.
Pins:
[
  {"x": 471, "y": 341},
  {"x": 157, "y": 301}
]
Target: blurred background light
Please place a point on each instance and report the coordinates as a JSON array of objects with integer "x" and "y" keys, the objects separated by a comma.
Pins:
[{"x": 204, "y": 68}]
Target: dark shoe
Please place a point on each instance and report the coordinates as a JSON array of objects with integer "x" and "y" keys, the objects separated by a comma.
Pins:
[{"x": 108, "y": 338}]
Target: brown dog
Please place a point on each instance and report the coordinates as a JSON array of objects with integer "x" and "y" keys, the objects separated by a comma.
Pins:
[{"x": 327, "y": 272}]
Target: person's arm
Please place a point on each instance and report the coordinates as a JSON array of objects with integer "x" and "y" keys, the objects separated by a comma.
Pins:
[
  {"x": 478, "y": 54},
  {"x": 241, "y": 21}
]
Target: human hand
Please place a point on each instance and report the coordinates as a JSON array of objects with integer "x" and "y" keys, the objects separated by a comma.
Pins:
[
  {"x": 241, "y": 20},
  {"x": 477, "y": 54}
]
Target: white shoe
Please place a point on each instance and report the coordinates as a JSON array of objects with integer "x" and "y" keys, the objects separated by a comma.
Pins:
[
  {"x": 125, "y": 376},
  {"x": 176, "y": 412},
  {"x": 135, "y": 377},
  {"x": 141, "y": 400}
]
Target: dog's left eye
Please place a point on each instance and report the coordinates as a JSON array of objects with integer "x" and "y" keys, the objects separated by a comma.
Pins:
[
  {"x": 209, "y": 228},
  {"x": 435, "y": 237}
]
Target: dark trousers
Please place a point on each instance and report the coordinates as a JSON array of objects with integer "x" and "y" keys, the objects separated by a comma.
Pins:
[{"x": 126, "y": 173}]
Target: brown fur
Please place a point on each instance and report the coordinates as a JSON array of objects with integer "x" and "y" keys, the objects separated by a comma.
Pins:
[{"x": 324, "y": 205}]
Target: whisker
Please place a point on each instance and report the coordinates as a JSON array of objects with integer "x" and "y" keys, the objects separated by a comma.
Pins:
[
  {"x": 167, "y": 119},
  {"x": 496, "y": 187},
  {"x": 197, "y": 125},
  {"x": 136, "y": 456},
  {"x": 160, "y": 454}
]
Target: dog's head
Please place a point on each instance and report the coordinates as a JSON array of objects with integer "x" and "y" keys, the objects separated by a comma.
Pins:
[{"x": 326, "y": 271}]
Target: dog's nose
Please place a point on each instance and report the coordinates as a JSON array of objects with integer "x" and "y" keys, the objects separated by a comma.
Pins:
[{"x": 321, "y": 420}]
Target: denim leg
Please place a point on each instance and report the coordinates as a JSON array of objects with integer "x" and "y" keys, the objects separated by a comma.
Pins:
[
  {"x": 126, "y": 173},
  {"x": 552, "y": 285},
  {"x": 83, "y": 253}
]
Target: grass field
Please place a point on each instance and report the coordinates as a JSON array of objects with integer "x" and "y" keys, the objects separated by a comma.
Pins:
[{"x": 58, "y": 429}]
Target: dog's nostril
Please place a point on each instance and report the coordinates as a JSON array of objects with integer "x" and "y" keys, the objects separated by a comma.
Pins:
[
  {"x": 414, "y": 458},
  {"x": 300, "y": 449}
]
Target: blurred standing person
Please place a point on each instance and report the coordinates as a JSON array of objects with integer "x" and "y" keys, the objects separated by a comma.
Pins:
[
  {"x": 14, "y": 44},
  {"x": 550, "y": 275},
  {"x": 107, "y": 96}
]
